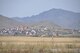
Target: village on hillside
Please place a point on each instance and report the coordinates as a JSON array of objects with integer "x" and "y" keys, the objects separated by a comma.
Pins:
[{"x": 34, "y": 32}]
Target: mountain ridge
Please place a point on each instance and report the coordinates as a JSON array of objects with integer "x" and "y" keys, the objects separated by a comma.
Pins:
[
  {"x": 66, "y": 19},
  {"x": 6, "y": 22}
]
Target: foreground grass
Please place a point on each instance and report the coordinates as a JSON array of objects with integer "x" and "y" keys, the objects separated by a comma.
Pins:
[{"x": 22, "y": 44}]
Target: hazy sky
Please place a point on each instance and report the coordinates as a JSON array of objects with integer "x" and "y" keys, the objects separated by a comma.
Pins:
[{"x": 22, "y": 8}]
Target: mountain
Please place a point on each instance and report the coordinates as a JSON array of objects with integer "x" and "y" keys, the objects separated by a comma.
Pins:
[
  {"x": 6, "y": 22},
  {"x": 64, "y": 18}
]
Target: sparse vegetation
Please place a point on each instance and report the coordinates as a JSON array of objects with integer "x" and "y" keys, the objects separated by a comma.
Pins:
[{"x": 23, "y": 44}]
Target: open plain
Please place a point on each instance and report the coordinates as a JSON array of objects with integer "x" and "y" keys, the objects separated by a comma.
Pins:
[{"x": 23, "y": 44}]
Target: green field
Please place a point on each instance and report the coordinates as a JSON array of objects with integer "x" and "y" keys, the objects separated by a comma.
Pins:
[{"x": 23, "y": 44}]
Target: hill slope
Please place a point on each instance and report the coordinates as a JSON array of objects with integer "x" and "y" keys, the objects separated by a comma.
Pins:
[
  {"x": 66, "y": 19},
  {"x": 6, "y": 22}
]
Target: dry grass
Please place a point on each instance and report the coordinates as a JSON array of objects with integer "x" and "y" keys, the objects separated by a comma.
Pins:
[{"x": 23, "y": 44}]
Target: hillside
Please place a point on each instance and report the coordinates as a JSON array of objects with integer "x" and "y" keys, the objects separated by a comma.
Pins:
[
  {"x": 45, "y": 24},
  {"x": 6, "y": 22},
  {"x": 64, "y": 18}
]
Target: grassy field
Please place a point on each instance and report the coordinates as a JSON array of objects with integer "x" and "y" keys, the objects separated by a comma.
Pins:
[{"x": 23, "y": 44}]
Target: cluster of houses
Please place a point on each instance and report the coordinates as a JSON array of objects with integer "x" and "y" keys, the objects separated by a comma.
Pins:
[
  {"x": 27, "y": 31},
  {"x": 17, "y": 31}
]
